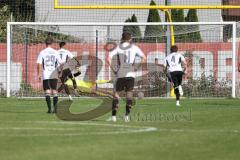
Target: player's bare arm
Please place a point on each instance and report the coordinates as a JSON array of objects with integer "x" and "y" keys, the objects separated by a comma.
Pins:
[
  {"x": 184, "y": 65},
  {"x": 239, "y": 67},
  {"x": 109, "y": 62},
  {"x": 39, "y": 72},
  {"x": 143, "y": 59}
]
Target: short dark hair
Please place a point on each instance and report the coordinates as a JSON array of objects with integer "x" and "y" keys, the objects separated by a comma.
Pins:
[
  {"x": 49, "y": 41},
  {"x": 126, "y": 36},
  {"x": 174, "y": 48},
  {"x": 61, "y": 44}
]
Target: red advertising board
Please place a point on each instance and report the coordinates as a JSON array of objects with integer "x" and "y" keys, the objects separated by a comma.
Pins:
[{"x": 211, "y": 58}]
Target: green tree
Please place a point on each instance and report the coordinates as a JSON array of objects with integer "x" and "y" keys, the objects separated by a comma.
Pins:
[
  {"x": 4, "y": 18},
  {"x": 134, "y": 29},
  {"x": 127, "y": 28},
  {"x": 195, "y": 35},
  {"x": 178, "y": 16},
  {"x": 154, "y": 34},
  {"x": 22, "y": 10},
  {"x": 174, "y": 15}
]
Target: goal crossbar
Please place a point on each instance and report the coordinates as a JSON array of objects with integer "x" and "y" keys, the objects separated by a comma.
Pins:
[
  {"x": 162, "y": 7},
  {"x": 119, "y": 23}
]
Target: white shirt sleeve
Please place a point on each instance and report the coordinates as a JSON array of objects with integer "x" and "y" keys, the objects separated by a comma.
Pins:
[
  {"x": 113, "y": 53},
  {"x": 165, "y": 62},
  {"x": 39, "y": 59},
  {"x": 140, "y": 53},
  {"x": 182, "y": 58}
]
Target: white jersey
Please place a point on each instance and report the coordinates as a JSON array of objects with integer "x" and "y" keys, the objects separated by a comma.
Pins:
[
  {"x": 174, "y": 62},
  {"x": 65, "y": 54},
  {"x": 49, "y": 59},
  {"x": 125, "y": 55}
]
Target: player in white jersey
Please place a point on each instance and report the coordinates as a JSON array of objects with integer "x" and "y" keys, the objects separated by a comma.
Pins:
[
  {"x": 47, "y": 61},
  {"x": 124, "y": 55},
  {"x": 173, "y": 64},
  {"x": 70, "y": 70}
]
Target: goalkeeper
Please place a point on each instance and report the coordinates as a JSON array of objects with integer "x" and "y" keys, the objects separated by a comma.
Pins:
[
  {"x": 67, "y": 73},
  {"x": 70, "y": 70}
]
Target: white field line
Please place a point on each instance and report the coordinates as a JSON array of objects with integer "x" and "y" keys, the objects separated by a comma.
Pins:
[
  {"x": 199, "y": 131},
  {"x": 123, "y": 129},
  {"x": 75, "y": 123},
  {"x": 46, "y": 129},
  {"x": 80, "y": 134},
  {"x": 149, "y": 129}
]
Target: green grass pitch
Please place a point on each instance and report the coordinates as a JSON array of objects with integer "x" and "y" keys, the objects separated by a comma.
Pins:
[{"x": 199, "y": 129}]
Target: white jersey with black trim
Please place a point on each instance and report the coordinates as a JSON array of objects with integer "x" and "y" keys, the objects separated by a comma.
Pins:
[
  {"x": 125, "y": 55},
  {"x": 174, "y": 62},
  {"x": 49, "y": 59},
  {"x": 65, "y": 55}
]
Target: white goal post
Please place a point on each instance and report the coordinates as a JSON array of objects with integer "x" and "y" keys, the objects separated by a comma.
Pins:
[{"x": 75, "y": 31}]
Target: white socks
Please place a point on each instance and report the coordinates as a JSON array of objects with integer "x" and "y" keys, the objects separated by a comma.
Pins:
[
  {"x": 180, "y": 90},
  {"x": 177, "y": 103},
  {"x": 126, "y": 119},
  {"x": 114, "y": 118}
]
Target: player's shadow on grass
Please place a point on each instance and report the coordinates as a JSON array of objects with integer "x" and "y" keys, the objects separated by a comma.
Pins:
[{"x": 64, "y": 113}]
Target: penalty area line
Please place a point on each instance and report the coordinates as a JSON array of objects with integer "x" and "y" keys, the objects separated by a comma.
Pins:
[
  {"x": 123, "y": 129},
  {"x": 151, "y": 129},
  {"x": 199, "y": 131}
]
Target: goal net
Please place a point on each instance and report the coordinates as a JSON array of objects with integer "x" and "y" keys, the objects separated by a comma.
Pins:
[{"x": 211, "y": 70}]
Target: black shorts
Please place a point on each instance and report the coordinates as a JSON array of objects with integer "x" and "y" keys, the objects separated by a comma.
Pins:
[
  {"x": 50, "y": 84},
  {"x": 124, "y": 84},
  {"x": 176, "y": 78}
]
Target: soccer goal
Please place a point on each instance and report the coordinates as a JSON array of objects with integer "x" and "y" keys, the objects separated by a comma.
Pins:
[{"x": 209, "y": 47}]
